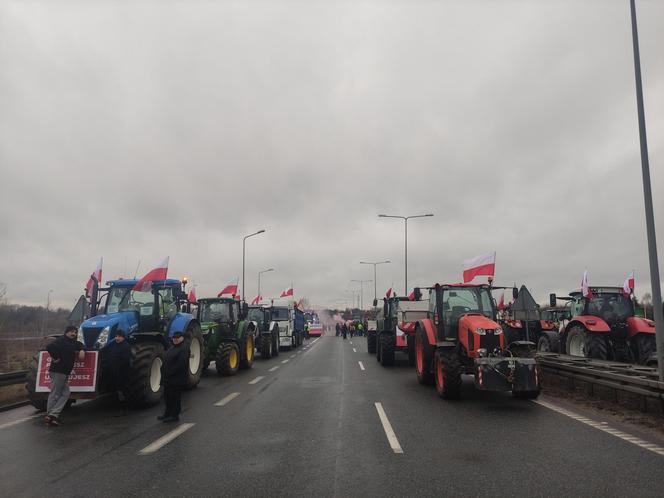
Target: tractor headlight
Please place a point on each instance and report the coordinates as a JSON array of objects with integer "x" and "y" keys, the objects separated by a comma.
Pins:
[
  {"x": 481, "y": 331},
  {"x": 80, "y": 338},
  {"x": 498, "y": 331},
  {"x": 103, "y": 337}
]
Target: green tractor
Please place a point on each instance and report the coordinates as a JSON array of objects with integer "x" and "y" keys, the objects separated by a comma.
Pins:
[
  {"x": 268, "y": 342},
  {"x": 228, "y": 335}
]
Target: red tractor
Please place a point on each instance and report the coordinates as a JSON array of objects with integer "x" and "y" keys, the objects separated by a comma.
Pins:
[
  {"x": 603, "y": 326},
  {"x": 460, "y": 336}
]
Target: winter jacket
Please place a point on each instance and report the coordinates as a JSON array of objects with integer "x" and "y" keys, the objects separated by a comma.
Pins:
[
  {"x": 175, "y": 366},
  {"x": 63, "y": 349},
  {"x": 119, "y": 357}
]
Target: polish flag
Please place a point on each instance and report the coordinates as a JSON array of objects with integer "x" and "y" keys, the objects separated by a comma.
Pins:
[
  {"x": 158, "y": 273},
  {"x": 389, "y": 291},
  {"x": 628, "y": 285},
  {"x": 501, "y": 303},
  {"x": 481, "y": 265},
  {"x": 257, "y": 299},
  {"x": 97, "y": 275},
  {"x": 411, "y": 294},
  {"x": 231, "y": 287},
  {"x": 585, "y": 289},
  {"x": 287, "y": 292},
  {"x": 192, "y": 296}
]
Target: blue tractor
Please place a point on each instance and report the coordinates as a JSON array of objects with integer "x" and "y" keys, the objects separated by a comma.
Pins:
[{"x": 148, "y": 319}]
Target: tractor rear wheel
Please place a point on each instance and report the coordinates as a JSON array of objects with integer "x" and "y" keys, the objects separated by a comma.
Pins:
[
  {"x": 644, "y": 347},
  {"x": 266, "y": 347},
  {"x": 228, "y": 358},
  {"x": 544, "y": 344},
  {"x": 145, "y": 375},
  {"x": 596, "y": 347},
  {"x": 275, "y": 341},
  {"x": 387, "y": 349},
  {"x": 447, "y": 374},
  {"x": 194, "y": 338},
  {"x": 247, "y": 352},
  {"x": 410, "y": 341},
  {"x": 422, "y": 358},
  {"x": 371, "y": 343}
]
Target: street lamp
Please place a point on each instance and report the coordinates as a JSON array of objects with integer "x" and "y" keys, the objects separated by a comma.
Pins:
[
  {"x": 647, "y": 198},
  {"x": 361, "y": 291},
  {"x": 405, "y": 219},
  {"x": 259, "y": 278},
  {"x": 374, "y": 265},
  {"x": 243, "y": 244}
]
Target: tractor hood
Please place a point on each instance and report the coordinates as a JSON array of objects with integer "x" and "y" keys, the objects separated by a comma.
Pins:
[
  {"x": 475, "y": 322},
  {"x": 637, "y": 325},
  {"x": 97, "y": 331}
]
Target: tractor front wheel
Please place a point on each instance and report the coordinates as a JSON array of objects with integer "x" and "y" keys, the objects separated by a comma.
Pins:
[
  {"x": 275, "y": 341},
  {"x": 422, "y": 358},
  {"x": 145, "y": 376},
  {"x": 194, "y": 338},
  {"x": 644, "y": 347},
  {"x": 386, "y": 349},
  {"x": 447, "y": 374},
  {"x": 544, "y": 344},
  {"x": 247, "y": 352},
  {"x": 228, "y": 358}
]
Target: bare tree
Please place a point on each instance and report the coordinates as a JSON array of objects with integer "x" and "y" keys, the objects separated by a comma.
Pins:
[{"x": 646, "y": 300}]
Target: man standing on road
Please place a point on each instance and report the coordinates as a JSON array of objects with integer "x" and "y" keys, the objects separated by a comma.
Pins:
[
  {"x": 174, "y": 377},
  {"x": 119, "y": 356},
  {"x": 338, "y": 329},
  {"x": 63, "y": 353}
]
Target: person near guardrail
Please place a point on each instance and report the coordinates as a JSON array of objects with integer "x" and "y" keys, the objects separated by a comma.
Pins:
[
  {"x": 63, "y": 353},
  {"x": 174, "y": 377},
  {"x": 119, "y": 355}
]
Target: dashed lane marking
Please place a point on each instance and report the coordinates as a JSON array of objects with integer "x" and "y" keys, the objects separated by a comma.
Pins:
[
  {"x": 18, "y": 421},
  {"x": 273, "y": 369},
  {"x": 164, "y": 440},
  {"x": 387, "y": 427},
  {"x": 361, "y": 365},
  {"x": 227, "y": 399},
  {"x": 291, "y": 356},
  {"x": 257, "y": 380},
  {"x": 285, "y": 361},
  {"x": 354, "y": 350},
  {"x": 603, "y": 426},
  {"x": 351, "y": 342}
]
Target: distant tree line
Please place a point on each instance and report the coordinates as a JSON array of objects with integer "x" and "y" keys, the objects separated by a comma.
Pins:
[{"x": 17, "y": 320}]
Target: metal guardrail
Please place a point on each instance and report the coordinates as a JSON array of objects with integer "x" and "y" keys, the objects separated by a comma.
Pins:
[
  {"x": 637, "y": 379},
  {"x": 13, "y": 378}
]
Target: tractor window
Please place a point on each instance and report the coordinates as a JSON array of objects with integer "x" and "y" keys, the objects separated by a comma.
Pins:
[
  {"x": 168, "y": 307},
  {"x": 577, "y": 307},
  {"x": 126, "y": 299},
  {"x": 280, "y": 314},
  {"x": 255, "y": 314},
  {"x": 211, "y": 312},
  {"x": 610, "y": 307}
]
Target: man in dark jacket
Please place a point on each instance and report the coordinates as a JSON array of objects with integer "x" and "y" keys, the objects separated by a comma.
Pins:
[
  {"x": 119, "y": 356},
  {"x": 174, "y": 377},
  {"x": 63, "y": 351}
]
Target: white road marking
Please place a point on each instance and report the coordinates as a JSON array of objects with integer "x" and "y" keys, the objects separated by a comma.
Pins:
[
  {"x": 18, "y": 421},
  {"x": 285, "y": 361},
  {"x": 273, "y": 369},
  {"x": 351, "y": 342},
  {"x": 603, "y": 426},
  {"x": 227, "y": 399},
  {"x": 354, "y": 350},
  {"x": 387, "y": 427},
  {"x": 257, "y": 380},
  {"x": 164, "y": 440},
  {"x": 291, "y": 356},
  {"x": 361, "y": 365}
]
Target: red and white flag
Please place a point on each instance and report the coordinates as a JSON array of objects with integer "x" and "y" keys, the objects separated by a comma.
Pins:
[
  {"x": 192, "y": 295},
  {"x": 287, "y": 292},
  {"x": 411, "y": 294},
  {"x": 481, "y": 265},
  {"x": 501, "y": 303},
  {"x": 97, "y": 275},
  {"x": 585, "y": 288},
  {"x": 388, "y": 293},
  {"x": 231, "y": 287},
  {"x": 158, "y": 273},
  {"x": 628, "y": 285},
  {"x": 257, "y": 299}
]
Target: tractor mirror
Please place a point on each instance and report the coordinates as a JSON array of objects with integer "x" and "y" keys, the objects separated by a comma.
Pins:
[
  {"x": 375, "y": 303},
  {"x": 552, "y": 299},
  {"x": 515, "y": 292}
]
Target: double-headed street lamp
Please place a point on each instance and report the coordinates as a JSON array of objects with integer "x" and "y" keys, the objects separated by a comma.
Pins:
[
  {"x": 374, "y": 265},
  {"x": 361, "y": 291},
  {"x": 405, "y": 219},
  {"x": 259, "y": 279},
  {"x": 243, "y": 245}
]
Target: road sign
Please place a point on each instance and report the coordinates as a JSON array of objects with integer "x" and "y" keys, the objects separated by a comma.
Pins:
[{"x": 524, "y": 306}]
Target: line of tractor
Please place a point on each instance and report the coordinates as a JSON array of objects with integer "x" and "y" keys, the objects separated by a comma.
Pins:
[{"x": 223, "y": 330}]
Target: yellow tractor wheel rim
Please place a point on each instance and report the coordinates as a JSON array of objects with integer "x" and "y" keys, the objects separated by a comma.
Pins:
[
  {"x": 250, "y": 348},
  {"x": 232, "y": 359}
]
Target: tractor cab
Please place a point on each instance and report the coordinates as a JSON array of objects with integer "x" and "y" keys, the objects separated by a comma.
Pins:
[
  {"x": 450, "y": 303},
  {"x": 222, "y": 312},
  {"x": 608, "y": 303},
  {"x": 260, "y": 315}
]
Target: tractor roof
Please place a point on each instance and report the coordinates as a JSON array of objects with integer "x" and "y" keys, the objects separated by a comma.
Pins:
[
  {"x": 600, "y": 290},
  {"x": 130, "y": 282},
  {"x": 217, "y": 300}
]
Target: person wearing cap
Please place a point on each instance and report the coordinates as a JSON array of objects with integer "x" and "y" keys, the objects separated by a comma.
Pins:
[
  {"x": 63, "y": 352},
  {"x": 174, "y": 377},
  {"x": 119, "y": 356}
]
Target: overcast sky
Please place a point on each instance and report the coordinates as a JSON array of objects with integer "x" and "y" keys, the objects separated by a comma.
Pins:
[{"x": 136, "y": 130}]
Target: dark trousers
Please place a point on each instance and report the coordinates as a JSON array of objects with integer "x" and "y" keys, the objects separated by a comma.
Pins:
[{"x": 173, "y": 399}]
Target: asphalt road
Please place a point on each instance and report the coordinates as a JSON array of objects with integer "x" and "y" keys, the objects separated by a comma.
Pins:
[{"x": 311, "y": 428}]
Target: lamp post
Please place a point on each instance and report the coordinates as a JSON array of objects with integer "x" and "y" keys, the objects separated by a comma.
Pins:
[
  {"x": 48, "y": 305},
  {"x": 243, "y": 246},
  {"x": 374, "y": 265},
  {"x": 361, "y": 291},
  {"x": 259, "y": 278},
  {"x": 647, "y": 198},
  {"x": 405, "y": 219}
]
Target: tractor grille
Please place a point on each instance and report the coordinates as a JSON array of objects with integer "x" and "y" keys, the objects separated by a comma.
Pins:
[
  {"x": 90, "y": 335},
  {"x": 490, "y": 341}
]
